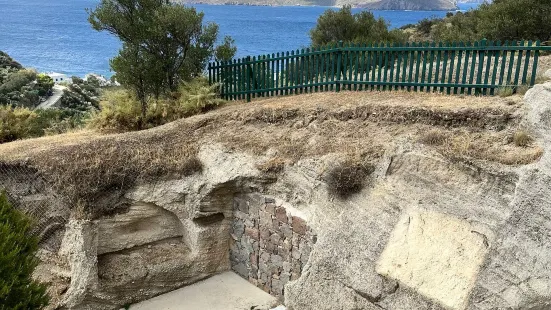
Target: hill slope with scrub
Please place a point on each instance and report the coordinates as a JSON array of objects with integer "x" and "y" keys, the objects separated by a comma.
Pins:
[{"x": 359, "y": 168}]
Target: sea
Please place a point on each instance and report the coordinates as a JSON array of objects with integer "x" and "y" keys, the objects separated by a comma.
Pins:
[{"x": 54, "y": 35}]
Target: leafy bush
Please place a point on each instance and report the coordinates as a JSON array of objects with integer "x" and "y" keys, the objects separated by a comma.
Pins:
[
  {"x": 499, "y": 20},
  {"x": 16, "y": 80},
  {"x": 121, "y": 111},
  {"x": 434, "y": 137},
  {"x": 333, "y": 26},
  {"x": 22, "y": 123},
  {"x": 16, "y": 123},
  {"x": 7, "y": 62},
  {"x": 17, "y": 261},
  {"x": 82, "y": 95},
  {"x": 347, "y": 178}
]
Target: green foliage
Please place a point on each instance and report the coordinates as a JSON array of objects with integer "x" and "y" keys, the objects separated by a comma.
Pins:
[
  {"x": 500, "y": 20},
  {"x": 16, "y": 80},
  {"x": 197, "y": 96},
  {"x": 333, "y": 26},
  {"x": 226, "y": 50},
  {"x": 44, "y": 84},
  {"x": 17, "y": 261},
  {"x": 22, "y": 123},
  {"x": 121, "y": 110},
  {"x": 6, "y": 62},
  {"x": 164, "y": 44}
]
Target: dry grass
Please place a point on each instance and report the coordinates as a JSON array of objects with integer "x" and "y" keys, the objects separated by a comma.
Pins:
[
  {"x": 352, "y": 124},
  {"x": 522, "y": 139},
  {"x": 347, "y": 178},
  {"x": 272, "y": 166}
]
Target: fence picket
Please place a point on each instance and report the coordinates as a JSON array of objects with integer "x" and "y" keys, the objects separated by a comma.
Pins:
[
  {"x": 496, "y": 64},
  {"x": 535, "y": 64},
  {"x": 526, "y": 64},
  {"x": 519, "y": 64},
  {"x": 444, "y": 69}
]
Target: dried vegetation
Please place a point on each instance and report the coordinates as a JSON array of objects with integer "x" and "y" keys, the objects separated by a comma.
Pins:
[{"x": 351, "y": 124}]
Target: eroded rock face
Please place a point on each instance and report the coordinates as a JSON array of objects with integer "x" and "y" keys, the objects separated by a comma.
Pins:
[{"x": 427, "y": 232}]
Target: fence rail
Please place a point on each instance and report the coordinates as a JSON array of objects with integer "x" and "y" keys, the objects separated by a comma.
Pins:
[{"x": 453, "y": 68}]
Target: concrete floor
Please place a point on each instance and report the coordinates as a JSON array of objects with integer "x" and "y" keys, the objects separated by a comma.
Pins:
[{"x": 226, "y": 291}]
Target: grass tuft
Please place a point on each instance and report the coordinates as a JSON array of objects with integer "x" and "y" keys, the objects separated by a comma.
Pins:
[
  {"x": 505, "y": 91},
  {"x": 522, "y": 139},
  {"x": 347, "y": 178},
  {"x": 434, "y": 137}
]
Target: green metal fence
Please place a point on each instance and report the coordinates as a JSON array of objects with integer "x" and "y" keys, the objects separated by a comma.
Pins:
[{"x": 452, "y": 68}]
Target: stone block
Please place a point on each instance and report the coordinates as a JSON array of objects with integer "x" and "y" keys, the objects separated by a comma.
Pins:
[
  {"x": 253, "y": 258},
  {"x": 238, "y": 228},
  {"x": 295, "y": 254},
  {"x": 284, "y": 277},
  {"x": 277, "y": 287},
  {"x": 435, "y": 254},
  {"x": 264, "y": 233},
  {"x": 286, "y": 266},
  {"x": 253, "y": 233},
  {"x": 281, "y": 214},
  {"x": 241, "y": 270},
  {"x": 299, "y": 225},
  {"x": 265, "y": 219},
  {"x": 275, "y": 238},
  {"x": 283, "y": 252},
  {"x": 270, "y": 208},
  {"x": 276, "y": 260},
  {"x": 269, "y": 200},
  {"x": 286, "y": 230}
]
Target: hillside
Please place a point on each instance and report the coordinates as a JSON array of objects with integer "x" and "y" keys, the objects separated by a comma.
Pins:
[
  {"x": 425, "y": 194},
  {"x": 428, "y": 5}
]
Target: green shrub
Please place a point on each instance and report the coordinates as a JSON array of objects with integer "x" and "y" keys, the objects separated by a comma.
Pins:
[
  {"x": 342, "y": 25},
  {"x": 17, "y": 123},
  {"x": 22, "y": 123},
  {"x": 197, "y": 96},
  {"x": 121, "y": 111},
  {"x": 17, "y": 261}
]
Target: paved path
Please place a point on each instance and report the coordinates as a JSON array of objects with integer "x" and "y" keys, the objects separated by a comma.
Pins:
[
  {"x": 226, "y": 291},
  {"x": 54, "y": 98}
]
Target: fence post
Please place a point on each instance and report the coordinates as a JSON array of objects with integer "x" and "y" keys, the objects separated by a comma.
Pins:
[
  {"x": 248, "y": 78},
  {"x": 339, "y": 58}
]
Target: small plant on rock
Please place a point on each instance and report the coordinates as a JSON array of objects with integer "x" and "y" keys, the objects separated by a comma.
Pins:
[
  {"x": 347, "y": 178},
  {"x": 522, "y": 139},
  {"x": 505, "y": 91},
  {"x": 433, "y": 137}
]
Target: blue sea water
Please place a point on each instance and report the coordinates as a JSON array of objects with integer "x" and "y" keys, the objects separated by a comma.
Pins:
[{"x": 54, "y": 35}]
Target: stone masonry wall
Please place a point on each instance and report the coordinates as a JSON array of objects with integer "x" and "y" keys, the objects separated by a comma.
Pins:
[{"x": 269, "y": 246}]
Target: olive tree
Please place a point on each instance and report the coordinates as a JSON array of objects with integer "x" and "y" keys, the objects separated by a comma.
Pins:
[{"x": 164, "y": 43}]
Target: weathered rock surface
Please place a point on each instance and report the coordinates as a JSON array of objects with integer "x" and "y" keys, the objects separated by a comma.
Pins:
[{"x": 427, "y": 232}]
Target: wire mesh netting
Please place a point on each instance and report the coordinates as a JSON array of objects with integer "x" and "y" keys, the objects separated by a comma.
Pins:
[{"x": 30, "y": 194}]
